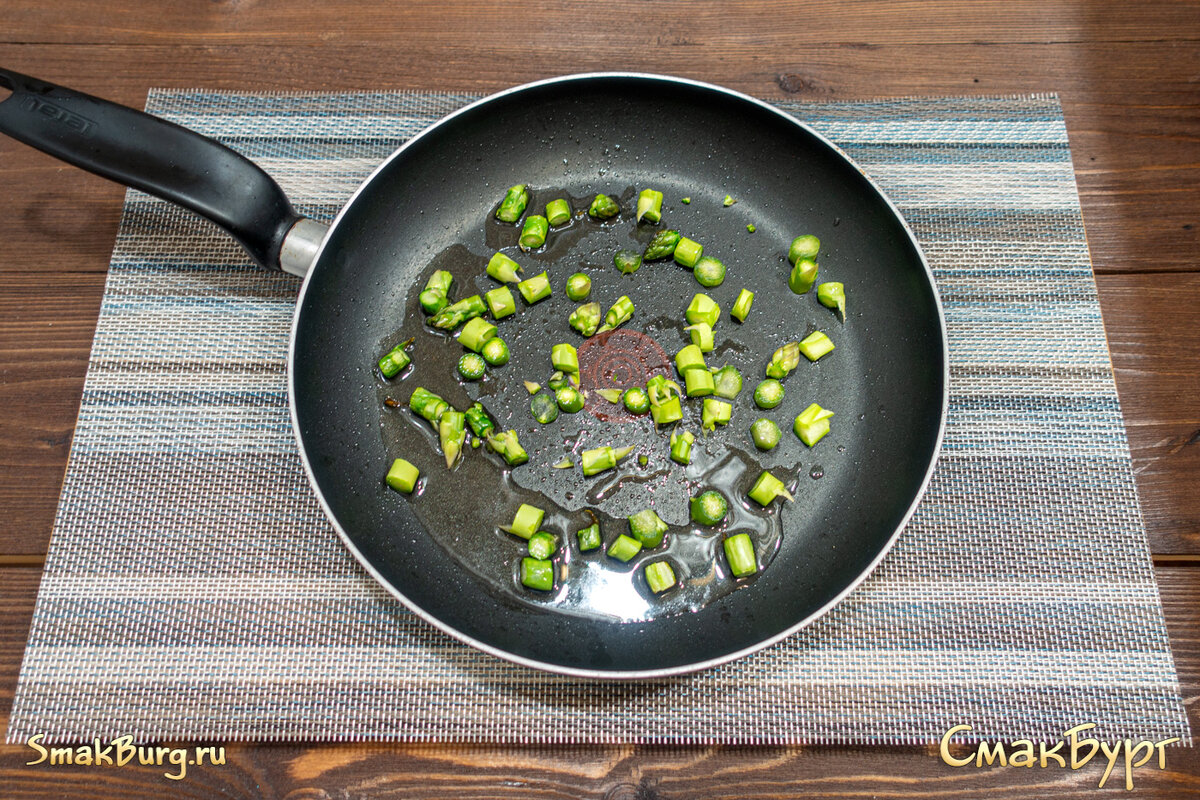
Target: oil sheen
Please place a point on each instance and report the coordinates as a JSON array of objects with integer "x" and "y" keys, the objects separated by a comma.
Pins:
[{"x": 463, "y": 509}]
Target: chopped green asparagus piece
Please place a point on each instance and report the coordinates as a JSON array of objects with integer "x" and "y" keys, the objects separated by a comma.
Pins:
[
  {"x": 701, "y": 335},
  {"x": 803, "y": 276},
  {"x": 589, "y": 537},
  {"x": 495, "y": 352},
  {"x": 709, "y": 271},
  {"x": 662, "y": 245},
  {"x": 666, "y": 412},
  {"x": 396, "y": 360},
  {"x": 703, "y": 309},
  {"x": 659, "y": 576},
  {"x": 602, "y": 458},
  {"x": 471, "y": 366},
  {"x": 542, "y": 545},
  {"x": 566, "y": 463},
  {"x": 739, "y": 552},
  {"x": 687, "y": 252},
  {"x": 710, "y": 508},
  {"x": 812, "y": 424},
  {"x": 432, "y": 300},
  {"x": 537, "y": 574},
  {"x": 427, "y": 405},
  {"x": 603, "y": 207},
  {"x": 623, "y": 548},
  {"x": 585, "y": 318},
  {"x": 727, "y": 382},
  {"x": 636, "y": 400},
  {"x": 833, "y": 295},
  {"x": 688, "y": 358},
  {"x": 476, "y": 333},
  {"x": 687, "y": 201},
  {"x": 532, "y": 388},
  {"x": 741, "y": 306},
  {"x": 452, "y": 433},
  {"x": 579, "y": 286},
  {"x": 768, "y": 394},
  {"x": 649, "y": 205},
  {"x": 643, "y": 460},
  {"x": 544, "y": 408},
  {"x": 647, "y": 527},
  {"x": 618, "y": 315},
  {"x": 751, "y": 228},
  {"x": 535, "y": 288},
  {"x": 533, "y": 232},
  {"x": 558, "y": 212},
  {"x": 698, "y": 382},
  {"x": 402, "y": 476},
  {"x": 627, "y": 262},
  {"x": 564, "y": 357},
  {"x": 569, "y": 399},
  {"x": 784, "y": 360},
  {"x": 437, "y": 291},
  {"x": 513, "y": 205},
  {"x": 505, "y": 443},
  {"x": 660, "y": 389},
  {"x": 501, "y": 302},
  {"x": 715, "y": 412},
  {"x": 454, "y": 315},
  {"x": 806, "y": 246},
  {"x": 681, "y": 447},
  {"x": 815, "y": 345},
  {"x": 611, "y": 395},
  {"x": 765, "y": 433},
  {"x": 503, "y": 269},
  {"x": 767, "y": 488},
  {"x": 480, "y": 421},
  {"x": 442, "y": 280},
  {"x": 728, "y": 201},
  {"x": 527, "y": 521}
]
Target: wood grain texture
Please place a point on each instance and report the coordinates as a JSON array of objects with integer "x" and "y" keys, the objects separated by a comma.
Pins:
[
  {"x": 1152, "y": 323},
  {"x": 46, "y": 325},
  {"x": 616, "y": 772},
  {"x": 548, "y": 26}
]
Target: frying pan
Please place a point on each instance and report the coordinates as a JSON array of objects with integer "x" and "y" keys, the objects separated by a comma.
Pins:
[{"x": 430, "y": 206}]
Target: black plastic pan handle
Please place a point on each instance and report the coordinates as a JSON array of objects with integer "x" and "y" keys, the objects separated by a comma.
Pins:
[{"x": 151, "y": 154}]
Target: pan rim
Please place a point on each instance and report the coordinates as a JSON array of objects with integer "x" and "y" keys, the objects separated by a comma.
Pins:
[{"x": 596, "y": 674}]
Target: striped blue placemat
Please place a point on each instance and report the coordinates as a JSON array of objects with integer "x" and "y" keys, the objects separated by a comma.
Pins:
[{"x": 187, "y": 594}]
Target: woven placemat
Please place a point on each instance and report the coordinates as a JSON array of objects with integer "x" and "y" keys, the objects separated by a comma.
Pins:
[{"x": 188, "y": 594}]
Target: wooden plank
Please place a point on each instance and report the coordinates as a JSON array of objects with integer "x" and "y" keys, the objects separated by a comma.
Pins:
[
  {"x": 542, "y": 26},
  {"x": 54, "y": 216},
  {"x": 47, "y": 320},
  {"x": 614, "y": 772},
  {"x": 1119, "y": 74},
  {"x": 1156, "y": 361}
]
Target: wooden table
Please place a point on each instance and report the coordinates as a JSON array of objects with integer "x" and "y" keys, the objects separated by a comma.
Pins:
[{"x": 1129, "y": 79}]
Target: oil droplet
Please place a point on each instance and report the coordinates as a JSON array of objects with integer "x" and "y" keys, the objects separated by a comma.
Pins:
[{"x": 816, "y": 472}]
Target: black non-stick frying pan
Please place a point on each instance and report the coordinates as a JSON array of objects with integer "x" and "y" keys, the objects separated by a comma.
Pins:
[{"x": 430, "y": 206}]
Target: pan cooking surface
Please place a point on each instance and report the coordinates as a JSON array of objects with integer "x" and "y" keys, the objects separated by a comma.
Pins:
[{"x": 430, "y": 207}]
